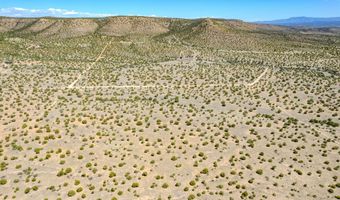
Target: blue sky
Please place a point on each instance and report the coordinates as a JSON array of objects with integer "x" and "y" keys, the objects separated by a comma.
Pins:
[{"x": 248, "y": 10}]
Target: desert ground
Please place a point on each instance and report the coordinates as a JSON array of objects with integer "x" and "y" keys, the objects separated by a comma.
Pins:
[{"x": 147, "y": 108}]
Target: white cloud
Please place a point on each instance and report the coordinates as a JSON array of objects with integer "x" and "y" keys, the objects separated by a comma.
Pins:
[
  {"x": 20, "y": 9},
  {"x": 72, "y": 12},
  {"x": 51, "y": 12}
]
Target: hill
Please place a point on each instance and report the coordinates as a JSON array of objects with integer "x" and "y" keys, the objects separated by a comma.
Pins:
[{"x": 213, "y": 33}]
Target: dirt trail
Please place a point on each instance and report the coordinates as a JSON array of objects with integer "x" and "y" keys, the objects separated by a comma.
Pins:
[
  {"x": 144, "y": 86},
  {"x": 89, "y": 68},
  {"x": 71, "y": 86},
  {"x": 192, "y": 61},
  {"x": 261, "y": 52},
  {"x": 258, "y": 78},
  {"x": 322, "y": 131}
]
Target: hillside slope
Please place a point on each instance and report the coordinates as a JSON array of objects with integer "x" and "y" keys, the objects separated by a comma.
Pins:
[
  {"x": 121, "y": 26},
  {"x": 213, "y": 33}
]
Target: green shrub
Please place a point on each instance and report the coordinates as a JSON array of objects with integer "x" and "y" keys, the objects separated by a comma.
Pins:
[
  {"x": 173, "y": 158},
  {"x": 68, "y": 170},
  {"x": 3, "y": 181},
  {"x": 165, "y": 185},
  {"x": 112, "y": 174},
  {"x": 259, "y": 171},
  {"x": 205, "y": 171},
  {"x": 139, "y": 123},
  {"x": 298, "y": 171},
  {"x": 27, "y": 190},
  {"x": 135, "y": 185},
  {"x": 76, "y": 182},
  {"x": 71, "y": 193},
  {"x": 191, "y": 197},
  {"x": 192, "y": 183}
]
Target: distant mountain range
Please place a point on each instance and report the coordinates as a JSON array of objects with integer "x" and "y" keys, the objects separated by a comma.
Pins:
[{"x": 305, "y": 22}]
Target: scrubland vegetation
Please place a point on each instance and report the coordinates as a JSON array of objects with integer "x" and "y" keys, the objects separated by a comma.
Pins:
[{"x": 147, "y": 108}]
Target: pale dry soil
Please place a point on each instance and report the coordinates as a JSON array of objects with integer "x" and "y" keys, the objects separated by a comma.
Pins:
[{"x": 191, "y": 127}]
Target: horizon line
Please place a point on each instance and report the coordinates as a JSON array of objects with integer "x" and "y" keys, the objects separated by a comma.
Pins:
[{"x": 153, "y": 16}]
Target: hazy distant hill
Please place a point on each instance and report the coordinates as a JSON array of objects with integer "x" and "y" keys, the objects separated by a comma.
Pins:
[{"x": 305, "y": 22}]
